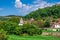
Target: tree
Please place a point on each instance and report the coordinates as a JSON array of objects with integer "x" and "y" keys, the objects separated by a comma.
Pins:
[
  {"x": 14, "y": 19},
  {"x": 47, "y": 23}
]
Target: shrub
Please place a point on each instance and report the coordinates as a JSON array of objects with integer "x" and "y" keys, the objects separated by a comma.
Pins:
[
  {"x": 47, "y": 23},
  {"x": 9, "y": 27},
  {"x": 29, "y": 29},
  {"x": 13, "y": 28},
  {"x": 3, "y": 35},
  {"x": 18, "y": 30},
  {"x": 33, "y": 30}
]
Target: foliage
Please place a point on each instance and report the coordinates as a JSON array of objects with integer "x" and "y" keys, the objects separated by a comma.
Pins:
[
  {"x": 3, "y": 35},
  {"x": 29, "y": 29},
  {"x": 1, "y": 22},
  {"x": 9, "y": 27},
  {"x": 47, "y": 23},
  {"x": 13, "y": 28},
  {"x": 53, "y": 11},
  {"x": 15, "y": 37},
  {"x": 14, "y": 19}
]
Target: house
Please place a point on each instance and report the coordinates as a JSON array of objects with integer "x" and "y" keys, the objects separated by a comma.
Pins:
[
  {"x": 55, "y": 24},
  {"x": 25, "y": 21},
  {"x": 31, "y": 20}
]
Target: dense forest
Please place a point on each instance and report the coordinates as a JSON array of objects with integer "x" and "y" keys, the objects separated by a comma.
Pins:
[{"x": 53, "y": 12}]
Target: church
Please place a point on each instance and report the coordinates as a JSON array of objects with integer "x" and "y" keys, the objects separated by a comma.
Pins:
[{"x": 21, "y": 22}]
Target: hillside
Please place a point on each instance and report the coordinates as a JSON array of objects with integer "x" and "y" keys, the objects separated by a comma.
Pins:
[
  {"x": 10, "y": 18},
  {"x": 4, "y": 18},
  {"x": 53, "y": 11}
]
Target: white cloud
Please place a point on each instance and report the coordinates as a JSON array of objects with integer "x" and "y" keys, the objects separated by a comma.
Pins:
[
  {"x": 18, "y": 4},
  {"x": 25, "y": 9}
]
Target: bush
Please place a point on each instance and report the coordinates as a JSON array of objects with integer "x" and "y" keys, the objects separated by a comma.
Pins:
[
  {"x": 9, "y": 27},
  {"x": 3, "y": 35},
  {"x": 13, "y": 28},
  {"x": 47, "y": 23},
  {"x": 29, "y": 29},
  {"x": 34, "y": 30},
  {"x": 18, "y": 31}
]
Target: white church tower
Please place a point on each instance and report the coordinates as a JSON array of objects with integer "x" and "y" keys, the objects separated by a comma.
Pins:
[{"x": 21, "y": 22}]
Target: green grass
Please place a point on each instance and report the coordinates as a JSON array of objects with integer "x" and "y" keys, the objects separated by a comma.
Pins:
[{"x": 15, "y": 37}]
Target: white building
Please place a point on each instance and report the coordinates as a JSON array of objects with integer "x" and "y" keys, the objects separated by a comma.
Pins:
[
  {"x": 57, "y": 26},
  {"x": 21, "y": 22}
]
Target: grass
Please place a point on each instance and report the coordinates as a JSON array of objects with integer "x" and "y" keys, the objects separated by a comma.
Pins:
[{"x": 15, "y": 37}]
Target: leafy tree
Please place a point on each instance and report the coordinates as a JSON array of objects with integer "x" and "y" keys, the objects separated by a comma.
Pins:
[
  {"x": 53, "y": 11},
  {"x": 29, "y": 29},
  {"x": 47, "y": 23},
  {"x": 3, "y": 35},
  {"x": 14, "y": 19},
  {"x": 9, "y": 27}
]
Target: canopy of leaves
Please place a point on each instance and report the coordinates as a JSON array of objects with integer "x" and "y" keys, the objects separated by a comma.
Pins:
[{"x": 53, "y": 11}]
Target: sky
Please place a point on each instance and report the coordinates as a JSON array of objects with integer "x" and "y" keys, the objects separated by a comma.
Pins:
[{"x": 23, "y": 7}]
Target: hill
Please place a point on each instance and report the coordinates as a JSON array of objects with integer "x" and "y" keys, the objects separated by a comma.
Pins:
[
  {"x": 53, "y": 12},
  {"x": 10, "y": 18}
]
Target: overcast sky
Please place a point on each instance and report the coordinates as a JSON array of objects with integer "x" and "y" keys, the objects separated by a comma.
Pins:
[{"x": 23, "y": 7}]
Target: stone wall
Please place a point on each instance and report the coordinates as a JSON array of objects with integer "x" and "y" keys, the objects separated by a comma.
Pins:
[{"x": 57, "y": 34}]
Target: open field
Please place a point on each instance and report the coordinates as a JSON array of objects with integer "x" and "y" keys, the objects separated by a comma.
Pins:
[{"x": 14, "y": 37}]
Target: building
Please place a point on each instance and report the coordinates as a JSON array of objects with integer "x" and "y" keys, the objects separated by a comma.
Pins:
[
  {"x": 21, "y": 22},
  {"x": 55, "y": 24}
]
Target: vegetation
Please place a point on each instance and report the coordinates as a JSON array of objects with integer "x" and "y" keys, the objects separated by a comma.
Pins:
[
  {"x": 31, "y": 29},
  {"x": 9, "y": 24},
  {"x": 3, "y": 35},
  {"x": 14, "y": 28},
  {"x": 14, "y": 37},
  {"x": 53, "y": 12},
  {"x": 45, "y": 15}
]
